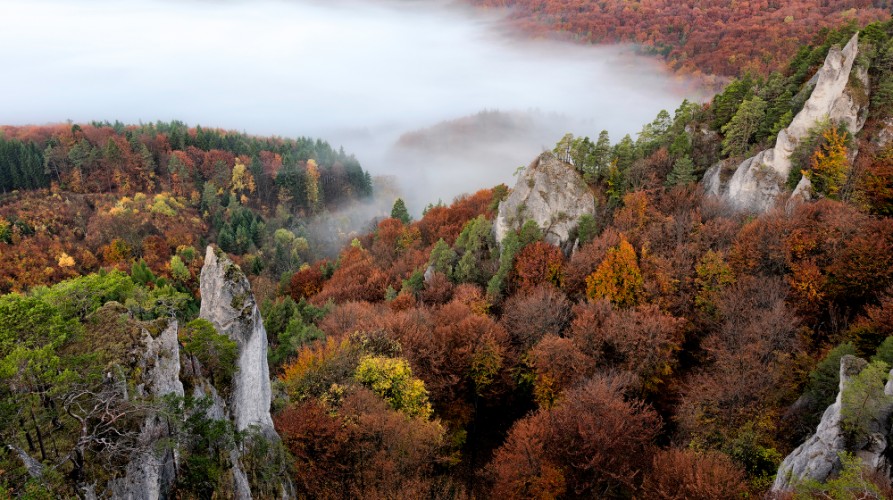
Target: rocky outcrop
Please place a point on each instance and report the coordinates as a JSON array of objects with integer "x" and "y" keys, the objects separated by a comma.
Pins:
[
  {"x": 817, "y": 458},
  {"x": 227, "y": 302},
  {"x": 840, "y": 95},
  {"x": 551, "y": 193},
  {"x": 152, "y": 471}
]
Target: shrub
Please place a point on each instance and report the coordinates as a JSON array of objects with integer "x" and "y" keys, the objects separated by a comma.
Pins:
[{"x": 217, "y": 353}]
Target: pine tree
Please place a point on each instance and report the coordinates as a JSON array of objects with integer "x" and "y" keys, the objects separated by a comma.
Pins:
[
  {"x": 399, "y": 212},
  {"x": 683, "y": 172},
  {"x": 744, "y": 125}
]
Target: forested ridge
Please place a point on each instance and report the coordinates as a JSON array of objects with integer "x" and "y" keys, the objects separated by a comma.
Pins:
[
  {"x": 105, "y": 194},
  {"x": 681, "y": 350},
  {"x": 714, "y": 37}
]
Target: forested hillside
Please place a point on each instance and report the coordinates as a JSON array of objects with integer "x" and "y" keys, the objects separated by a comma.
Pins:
[
  {"x": 678, "y": 348},
  {"x": 714, "y": 37},
  {"x": 77, "y": 198},
  {"x": 681, "y": 351}
]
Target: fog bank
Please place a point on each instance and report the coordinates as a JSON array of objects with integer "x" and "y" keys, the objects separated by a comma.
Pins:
[{"x": 358, "y": 74}]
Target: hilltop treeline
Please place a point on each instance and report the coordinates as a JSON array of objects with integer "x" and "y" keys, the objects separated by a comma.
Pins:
[
  {"x": 713, "y": 37},
  {"x": 105, "y": 194}
]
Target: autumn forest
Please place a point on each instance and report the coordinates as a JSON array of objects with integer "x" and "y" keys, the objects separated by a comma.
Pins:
[{"x": 176, "y": 321}]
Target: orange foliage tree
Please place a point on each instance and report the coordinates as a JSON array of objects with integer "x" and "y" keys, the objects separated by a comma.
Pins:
[
  {"x": 593, "y": 444},
  {"x": 538, "y": 263},
  {"x": 618, "y": 277}
]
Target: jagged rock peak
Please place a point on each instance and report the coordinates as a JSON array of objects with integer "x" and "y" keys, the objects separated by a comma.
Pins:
[
  {"x": 817, "y": 458},
  {"x": 227, "y": 302},
  {"x": 757, "y": 182},
  {"x": 151, "y": 472},
  {"x": 551, "y": 193}
]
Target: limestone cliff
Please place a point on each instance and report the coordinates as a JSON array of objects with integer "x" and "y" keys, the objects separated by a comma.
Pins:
[
  {"x": 817, "y": 458},
  {"x": 839, "y": 96},
  {"x": 227, "y": 302},
  {"x": 151, "y": 472},
  {"x": 551, "y": 193}
]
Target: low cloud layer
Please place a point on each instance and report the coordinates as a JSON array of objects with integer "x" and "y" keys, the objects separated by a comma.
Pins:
[{"x": 358, "y": 74}]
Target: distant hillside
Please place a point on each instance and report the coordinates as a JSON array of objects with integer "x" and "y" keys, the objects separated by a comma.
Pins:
[
  {"x": 713, "y": 37},
  {"x": 77, "y": 198}
]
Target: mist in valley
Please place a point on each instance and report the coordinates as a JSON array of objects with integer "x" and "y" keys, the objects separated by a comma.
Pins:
[{"x": 442, "y": 98}]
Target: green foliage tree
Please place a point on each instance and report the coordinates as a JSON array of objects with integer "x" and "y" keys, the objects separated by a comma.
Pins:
[
  {"x": 601, "y": 157},
  {"x": 587, "y": 229},
  {"x": 475, "y": 244},
  {"x": 683, "y": 172},
  {"x": 862, "y": 398},
  {"x": 141, "y": 274},
  {"x": 726, "y": 104},
  {"x": 654, "y": 134},
  {"x": 511, "y": 245},
  {"x": 179, "y": 270},
  {"x": 399, "y": 212},
  {"x": 824, "y": 379},
  {"x": 625, "y": 153},
  {"x": 741, "y": 129},
  {"x": 217, "y": 353},
  {"x": 78, "y": 297},
  {"x": 885, "y": 352},
  {"x": 442, "y": 258}
]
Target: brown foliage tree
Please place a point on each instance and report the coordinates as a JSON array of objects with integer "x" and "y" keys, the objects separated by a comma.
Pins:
[
  {"x": 557, "y": 365},
  {"x": 643, "y": 341},
  {"x": 689, "y": 475},
  {"x": 357, "y": 278},
  {"x": 594, "y": 444},
  {"x": 528, "y": 316},
  {"x": 536, "y": 264}
]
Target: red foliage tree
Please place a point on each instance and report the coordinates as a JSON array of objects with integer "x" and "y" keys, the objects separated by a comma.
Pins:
[
  {"x": 687, "y": 474},
  {"x": 305, "y": 283},
  {"x": 538, "y": 263},
  {"x": 594, "y": 444},
  {"x": 357, "y": 278}
]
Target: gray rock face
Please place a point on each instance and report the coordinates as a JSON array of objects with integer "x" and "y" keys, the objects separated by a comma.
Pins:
[
  {"x": 839, "y": 95},
  {"x": 551, "y": 193},
  {"x": 227, "y": 302},
  {"x": 151, "y": 472},
  {"x": 817, "y": 458},
  {"x": 801, "y": 194}
]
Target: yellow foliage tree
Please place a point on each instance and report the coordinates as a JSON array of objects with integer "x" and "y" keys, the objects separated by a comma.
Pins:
[
  {"x": 66, "y": 260},
  {"x": 391, "y": 378},
  {"x": 829, "y": 166},
  {"x": 618, "y": 278},
  {"x": 242, "y": 182},
  {"x": 313, "y": 185}
]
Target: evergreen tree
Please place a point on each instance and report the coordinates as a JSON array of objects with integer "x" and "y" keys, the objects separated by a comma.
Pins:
[
  {"x": 625, "y": 153},
  {"x": 399, "y": 212},
  {"x": 683, "y": 172},
  {"x": 742, "y": 128},
  {"x": 601, "y": 156}
]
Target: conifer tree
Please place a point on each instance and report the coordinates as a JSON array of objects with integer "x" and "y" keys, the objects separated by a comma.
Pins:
[
  {"x": 683, "y": 172},
  {"x": 399, "y": 212}
]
